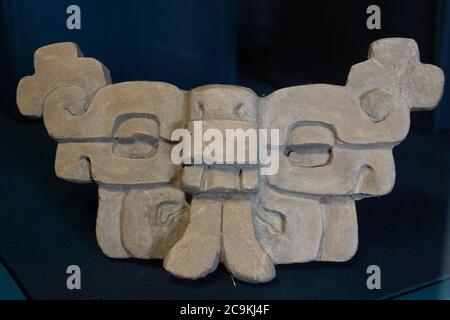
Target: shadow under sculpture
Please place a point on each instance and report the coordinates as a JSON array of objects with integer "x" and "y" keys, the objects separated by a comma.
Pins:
[{"x": 335, "y": 147}]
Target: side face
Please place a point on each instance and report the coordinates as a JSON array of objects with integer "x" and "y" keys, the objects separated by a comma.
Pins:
[{"x": 335, "y": 146}]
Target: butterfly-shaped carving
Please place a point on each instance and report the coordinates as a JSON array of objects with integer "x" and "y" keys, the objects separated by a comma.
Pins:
[{"x": 335, "y": 147}]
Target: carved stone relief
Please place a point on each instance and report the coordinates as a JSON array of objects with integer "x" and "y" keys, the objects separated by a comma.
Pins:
[{"x": 335, "y": 146}]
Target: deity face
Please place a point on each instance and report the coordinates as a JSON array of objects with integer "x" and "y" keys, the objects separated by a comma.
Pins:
[
  {"x": 153, "y": 220},
  {"x": 123, "y": 134},
  {"x": 221, "y": 108},
  {"x": 321, "y": 159},
  {"x": 336, "y": 147}
]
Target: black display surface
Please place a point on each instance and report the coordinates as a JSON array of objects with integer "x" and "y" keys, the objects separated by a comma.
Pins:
[{"x": 48, "y": 224}]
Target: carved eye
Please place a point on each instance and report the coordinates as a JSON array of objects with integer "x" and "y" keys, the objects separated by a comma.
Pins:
[
  {"x": 310, "y": 146},
  {"x": 168, "y": 211},
  {"x": 136, "y": 138}
]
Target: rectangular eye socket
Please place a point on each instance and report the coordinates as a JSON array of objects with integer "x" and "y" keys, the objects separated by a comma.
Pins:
[{"x": 310, "y": 146}]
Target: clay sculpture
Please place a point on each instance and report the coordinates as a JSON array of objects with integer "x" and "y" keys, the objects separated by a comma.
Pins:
[{"x": 334, "y": 146}]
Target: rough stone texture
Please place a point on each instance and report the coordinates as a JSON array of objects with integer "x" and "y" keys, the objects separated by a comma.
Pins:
[
  {"x": 153, "y": 219},
  {"x": 335, "y": 147},
  {"x": 109, "y": 222},
  {"x": 197, "y": 253}
]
